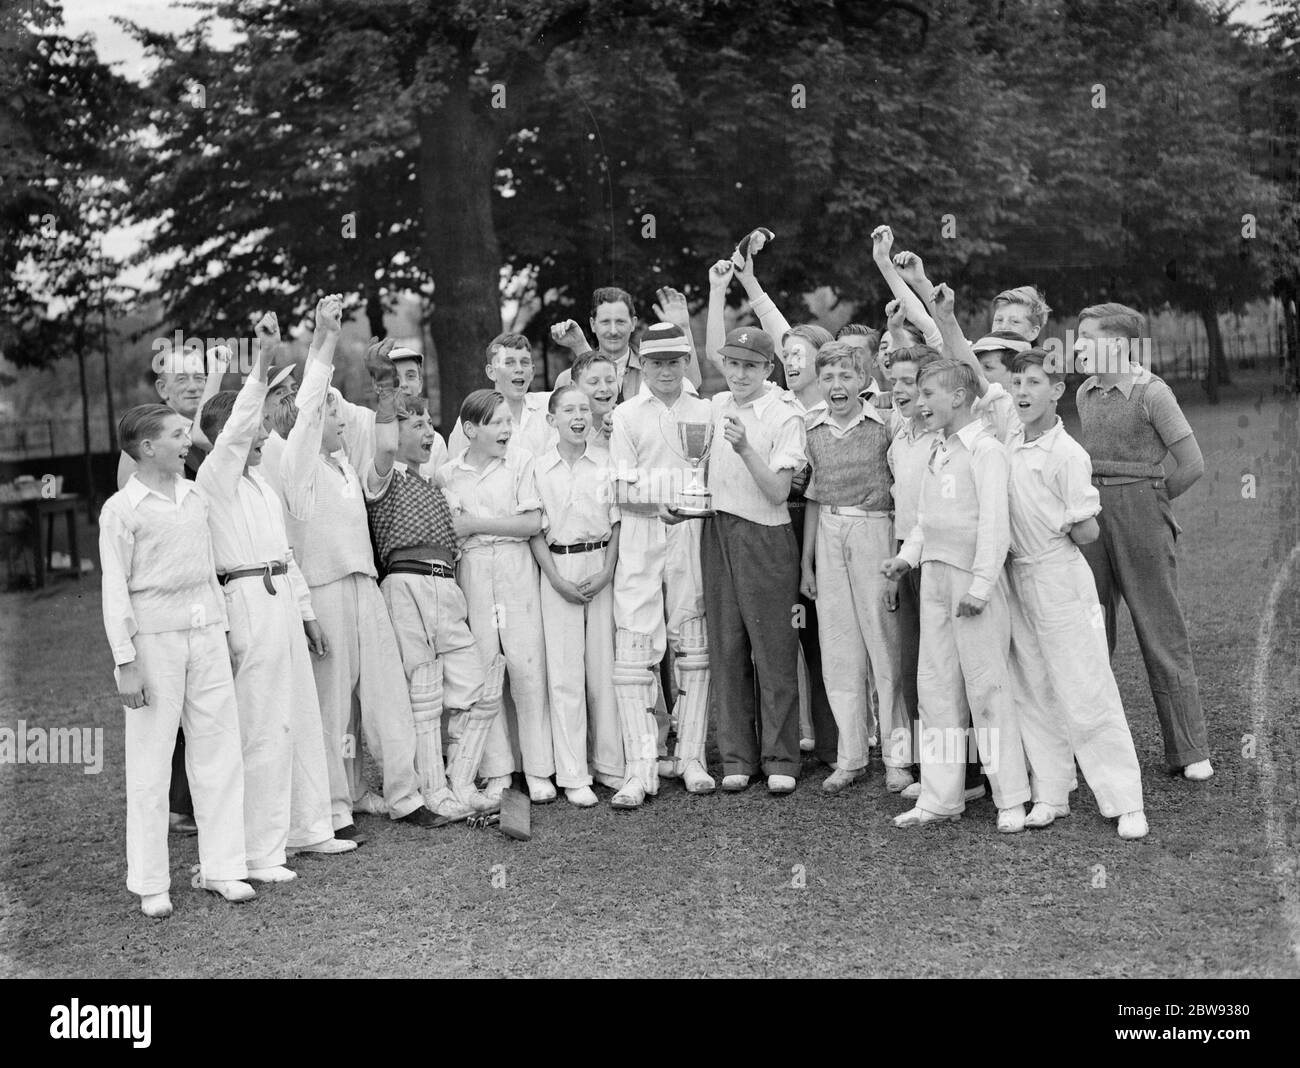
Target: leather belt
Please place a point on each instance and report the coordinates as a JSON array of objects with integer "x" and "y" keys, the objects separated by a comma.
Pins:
[
  {"x": 1125, "y": 480},
  {"x": 265, "y": 571},
  {"x": 856, "y": 513},
  {"x": 436, "y": 568},
  {"x": 580, "y": 547}
]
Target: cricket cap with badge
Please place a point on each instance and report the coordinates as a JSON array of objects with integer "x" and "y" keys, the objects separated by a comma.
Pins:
[
  {"x": 750, "y": 344},
  {"x": 1001, "y": 340}
]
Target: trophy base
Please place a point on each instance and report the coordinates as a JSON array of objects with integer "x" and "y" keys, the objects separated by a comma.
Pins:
[{"x": 694, "y": 506}]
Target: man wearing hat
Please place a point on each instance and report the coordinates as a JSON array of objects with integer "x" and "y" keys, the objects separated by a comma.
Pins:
[
  {"x": 658, "y": 591},
  {"x": 751, "y": 567}
]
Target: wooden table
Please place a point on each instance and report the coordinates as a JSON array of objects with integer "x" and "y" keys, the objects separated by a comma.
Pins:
[{"x": 42, "y": 536}]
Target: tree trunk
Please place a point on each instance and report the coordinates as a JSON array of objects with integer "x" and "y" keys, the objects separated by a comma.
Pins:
[
  {"x": 89, "y": 472},
  {"x": 108, "y": 377},
  {"x": 375, "y": 311},
  {"x": 1216, "y": 372},
  {"x": 458, "y": 154},
  {"x": 1289, "y": 294}
]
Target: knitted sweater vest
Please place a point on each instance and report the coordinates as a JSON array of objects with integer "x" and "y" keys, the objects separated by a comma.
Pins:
[
  {"x": 1118, "y": 433},
  {"x": 852, "y": 469}
]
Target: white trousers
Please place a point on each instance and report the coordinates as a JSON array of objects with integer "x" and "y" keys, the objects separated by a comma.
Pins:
[
  {"x": 1067, "y": 702},
  {"x": 286, "y": 784},
  {"x": 500, "y": 581},
  {"x": 657, "y": 583},
  {"x": 188, "y": 684},
  {"x": 580, "y": 675},
  {"x": 362, "y": 678},
  {"x": 858, "y": 636},
  {"x": 961, "y": 677}
]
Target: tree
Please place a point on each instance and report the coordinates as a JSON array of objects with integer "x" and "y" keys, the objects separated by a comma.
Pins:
[{"x": 62, "y": 113}]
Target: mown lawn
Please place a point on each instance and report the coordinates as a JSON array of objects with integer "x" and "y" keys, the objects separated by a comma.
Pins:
[{"x": 734, "y": 885}]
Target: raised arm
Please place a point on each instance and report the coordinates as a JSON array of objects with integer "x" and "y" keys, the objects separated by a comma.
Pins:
[
  {"x": 769, "y": 315},
  {"x": 882, "y": 243},
  {"x": 222, "y": 470},
  {"x": 216, "y": 371},
  {"x": 955, "y": 345},
  {"x": 298, "y": 464}
]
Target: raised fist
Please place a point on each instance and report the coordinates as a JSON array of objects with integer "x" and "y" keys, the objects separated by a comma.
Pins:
[
  {"x": 268, "y": 328},
  {"x": 380, "y": 368},
  {"x": 882, "y": 240},
  {"x": 568, "y": 334}
]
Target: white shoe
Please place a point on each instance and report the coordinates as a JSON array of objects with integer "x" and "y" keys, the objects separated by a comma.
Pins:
[
  {"x": 915, "y": 817},
  {"x": 974, "y": 793},
  {"x": 780, "y": 784},
  {"x": 581, "y": 796},
  {"x": 733, "y": 784},
  {"x": 1011, "y": 820},
  {"x": 1133, "y": 825},
  {"x": 614, "y": 782},
  {"x": 328, "y": 847},
  {"x": 541, "y": 791},
  {"x": 807, "y": 745},
  {"x": 450, "y": 808},
  {"x": 631, "y": 795},
  {"x": 838, "y": 779},
  {"x": 668, "y": 768},
  {"x": 493, "y": 787},
  {"x": 912, "y": 792},
  {"x": 370, "y": 803},
  {"x": 277, "y": 874},
  {"x": 897, "y": 780},
  {"x": 1198, "y": 772},
  {"x": 231, "y": 889},
  {"x": 697, "y": 780},
  {"x": 156, "y": 906},
  {"x": 1043, "y": 814}
]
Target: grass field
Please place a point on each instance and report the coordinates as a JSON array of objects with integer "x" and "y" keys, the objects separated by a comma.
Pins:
[{"x": 743, "y": 885}]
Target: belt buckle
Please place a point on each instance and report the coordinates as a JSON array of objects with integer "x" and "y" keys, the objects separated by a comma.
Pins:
[{"x": 266, "y": 579}]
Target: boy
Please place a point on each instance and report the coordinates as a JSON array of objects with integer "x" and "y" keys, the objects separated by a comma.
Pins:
[
  {"x": 961, "y": 535},
  {"x": 996, "y": 354},
  {"x": 577, "y": 552},
  {"x": 1068, "y": 705},
  {"x": 496, "y": 510},
  {"x": 658, "y": 591},
  {"x": 593, "y": 373},
  {"x": 751, "y": 566},
  {"x": 166, "y": 622},
  {"x": 331, "y": 539},
  {"x": 1021, "y": 311},
  {"x": 847, "y": 536},
  {"x": 273, "y": 632},
  {"x": 415, "y": 542},
  {"x": 510, "y": 369},
  {"x": 1131, "y": 423}
]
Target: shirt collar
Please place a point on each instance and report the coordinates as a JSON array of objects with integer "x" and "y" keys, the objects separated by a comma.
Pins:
[
  {"x": 136, "y": 491},
  {"x": 461, "y": 464},
  {"x": 822, "y": 414},
  {"x": 1124, "y": 385},
  {"x": 552, "y": 456},
  {"x": 765, "y": 399},
  {"x": 969, "y": 433},
  {"x": 1044, "y": 440}
]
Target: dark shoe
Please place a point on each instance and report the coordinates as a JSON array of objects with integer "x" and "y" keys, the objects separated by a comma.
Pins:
[
  {"x": 420, "y": 817},
  {"x": 350, "y": 834},
  {"x": 177, "y": 823}
]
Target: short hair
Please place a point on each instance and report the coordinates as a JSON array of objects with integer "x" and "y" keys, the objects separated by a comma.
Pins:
[
  {"x": 954, "y": 375},
  {"x": 1051, "y": 365},
  {"x": 479, "y": 407},
  {"x": 412, "y": 407},
  {"x": 815, "y": 335},
  {"x": 840, "y": 352},
  {"x": 1005, "y": 356},
  {"x": 1117, "y": 319},
  {"x": 507, "y": 341},
  {"x": 921, "y": 355},
  {"x": 860, "y": 330},
  {"x": 215, "y": 413},
  {"x": 141, "y": 423},
  {"x": 586, "y": 361},
  {"x": 284, "y": 415},
  {"x": 1039, "y": 310},
  {"x": 612, "y": 295},
  {"x": 556, "y": 394}
]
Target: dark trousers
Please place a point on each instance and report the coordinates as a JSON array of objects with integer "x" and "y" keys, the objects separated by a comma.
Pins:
[
  {"x": 751, "y": 586},
  {"x": 179, "y": 799},
  {"x": 1134, "y": 559},
  {"x": 823, "y": 720}
]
